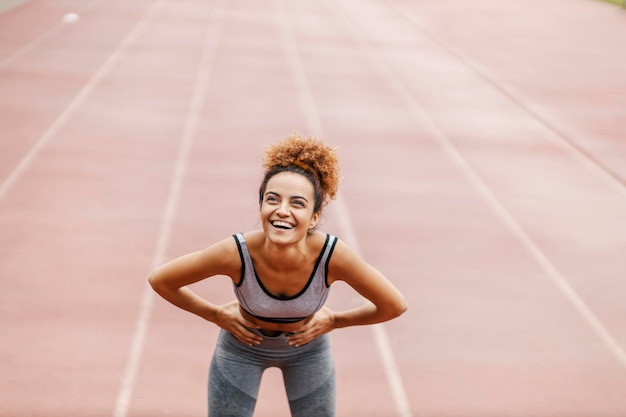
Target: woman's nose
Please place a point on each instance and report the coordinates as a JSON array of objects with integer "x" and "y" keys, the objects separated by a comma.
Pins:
[{"x": 283, "y": 210}]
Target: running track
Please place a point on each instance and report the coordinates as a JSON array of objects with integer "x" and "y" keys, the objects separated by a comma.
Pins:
[{"x": 484, "y": 155}]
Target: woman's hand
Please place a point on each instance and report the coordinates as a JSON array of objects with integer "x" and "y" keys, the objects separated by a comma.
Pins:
[
  {"x": 323, "y": 321},
  {"x": 229, "y": 318}
]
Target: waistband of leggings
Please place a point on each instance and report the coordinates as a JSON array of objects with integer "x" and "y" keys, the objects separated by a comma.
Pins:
[{"x": 271, "y": 333}]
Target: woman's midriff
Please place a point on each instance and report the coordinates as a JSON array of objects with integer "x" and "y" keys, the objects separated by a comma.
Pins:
[{"x": 270, "y": 327}]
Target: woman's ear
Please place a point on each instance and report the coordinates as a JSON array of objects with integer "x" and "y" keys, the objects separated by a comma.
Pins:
[{"x": 314, "y": 220}]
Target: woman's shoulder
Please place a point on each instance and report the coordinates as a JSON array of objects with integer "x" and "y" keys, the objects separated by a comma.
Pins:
[
  {"x": 253, "y": 238},
  {"x": 344, "y": 256},
  {"x": 225, "y": 251}
]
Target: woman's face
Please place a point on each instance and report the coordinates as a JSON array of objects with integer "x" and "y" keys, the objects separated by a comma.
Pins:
[{"x": 287, "y": 207}]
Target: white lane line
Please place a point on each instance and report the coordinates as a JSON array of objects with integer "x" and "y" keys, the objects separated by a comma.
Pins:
[
  {"x": 424, "y": 120},
  {"x": 305, "y": 96},
  {"x": 201, "y": 85},
  {"x": 309, "y": 108},
  {"x": 554, "y": 133},
  {"x": 516, "y": 229},
  {"x": 78, "y": 100},
  {"x": 29, "y": 46},
  {"x": 394, "y": 377}
]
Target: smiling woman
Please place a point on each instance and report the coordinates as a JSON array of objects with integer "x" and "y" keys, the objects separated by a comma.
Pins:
[{"x": 281, "y": 278}]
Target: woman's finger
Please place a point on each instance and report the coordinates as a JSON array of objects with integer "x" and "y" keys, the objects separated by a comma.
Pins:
[
  {"x": 301, "y": 338},
  {"x": 248, "y": 337}
]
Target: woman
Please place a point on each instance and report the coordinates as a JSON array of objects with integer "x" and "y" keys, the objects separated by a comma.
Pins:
[{"x": 281, "y": 276}]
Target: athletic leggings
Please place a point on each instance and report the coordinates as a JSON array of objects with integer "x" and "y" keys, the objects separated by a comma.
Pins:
[{"x": 236, "y": 369}]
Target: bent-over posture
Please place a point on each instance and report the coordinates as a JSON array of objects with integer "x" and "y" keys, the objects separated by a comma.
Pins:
[{"x": 281, "y": 277}]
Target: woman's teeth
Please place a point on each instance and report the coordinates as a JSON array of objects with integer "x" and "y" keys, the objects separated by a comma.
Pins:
[{"x": 282, "y": 225}]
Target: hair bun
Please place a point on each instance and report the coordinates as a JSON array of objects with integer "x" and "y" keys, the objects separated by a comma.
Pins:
[{"x": 310, "y": 154}]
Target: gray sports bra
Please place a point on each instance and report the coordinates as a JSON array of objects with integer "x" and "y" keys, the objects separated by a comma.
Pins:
[{"x": 257, "y": 301}]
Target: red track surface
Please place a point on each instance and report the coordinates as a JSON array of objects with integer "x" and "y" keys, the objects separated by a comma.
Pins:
[{"x": 484, "y": 160}]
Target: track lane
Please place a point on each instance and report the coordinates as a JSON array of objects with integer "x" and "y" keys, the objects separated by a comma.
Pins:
[
  {"x": 74, "y": 230},
  {"x": 479, "y": 152},
  {"x": 223, "y": 140},
  {"x": 483, "y": 317}
]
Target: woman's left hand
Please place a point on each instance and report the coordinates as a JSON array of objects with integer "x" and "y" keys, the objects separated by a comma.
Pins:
[{"x": 323, "y": 321}]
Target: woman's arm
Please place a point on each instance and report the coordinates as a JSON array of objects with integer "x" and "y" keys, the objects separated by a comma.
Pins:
[
  {"x": 385, "y": 300},
  {"x": 171, "y": 282}
]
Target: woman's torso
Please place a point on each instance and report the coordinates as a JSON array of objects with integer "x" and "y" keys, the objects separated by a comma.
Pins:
[{"x": 282, "y": 299}]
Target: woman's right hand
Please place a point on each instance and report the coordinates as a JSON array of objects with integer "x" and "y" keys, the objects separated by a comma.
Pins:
[{"x": 229, "y": 318}]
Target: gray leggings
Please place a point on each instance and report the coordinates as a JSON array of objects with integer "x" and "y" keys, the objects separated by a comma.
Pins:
[{"x": 236, "y": 369}]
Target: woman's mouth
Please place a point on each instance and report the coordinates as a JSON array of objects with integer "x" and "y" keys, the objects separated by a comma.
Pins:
[{"x": 278, "y": 224}]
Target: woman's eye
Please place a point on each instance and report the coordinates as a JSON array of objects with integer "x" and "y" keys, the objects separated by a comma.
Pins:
[
  {"x": 298, "y": 203},
  {"x": 271, "y": 199}
]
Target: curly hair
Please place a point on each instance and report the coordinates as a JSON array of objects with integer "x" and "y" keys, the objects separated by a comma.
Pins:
[{"x": 309, "y": 157}]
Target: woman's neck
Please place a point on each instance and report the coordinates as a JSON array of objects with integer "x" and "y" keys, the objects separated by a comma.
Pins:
[{"x": 285, "y": 257}]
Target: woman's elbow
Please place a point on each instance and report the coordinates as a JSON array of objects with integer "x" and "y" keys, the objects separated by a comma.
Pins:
[
  {"x": 399, "y": 307},
  {"x": 392, "y": 309},
  {"x": 155, "y": 283}
]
